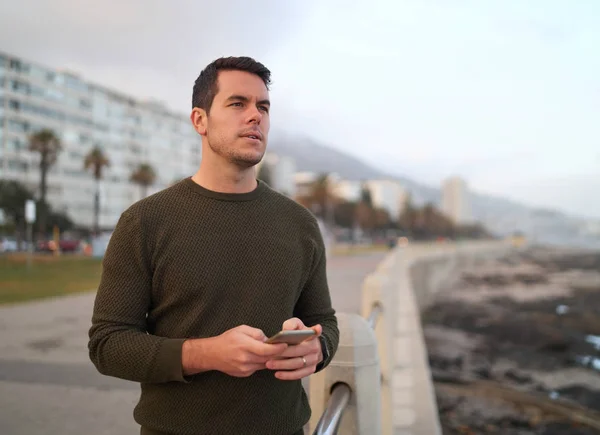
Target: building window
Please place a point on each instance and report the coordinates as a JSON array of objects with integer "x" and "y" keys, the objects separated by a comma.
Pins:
[
  {"x": 74, "y": 83},
  {"x": 38, "y": 73},
  {"x": 59, "y": 79},
  {"x": 75, "y": 155},
  {"x": 17, "y": 165},
  {"x": 15, "y": 144},
  {"x": 20, "y": 87},
  {"x": 17, "y": 65},
  {"x": 70, "y": 136},
  {"x": 18, "y": 126},
  {"x": 55, "y": 95}
]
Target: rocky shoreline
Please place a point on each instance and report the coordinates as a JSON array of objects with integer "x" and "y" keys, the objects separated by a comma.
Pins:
[{"x": 514, "y": 346}]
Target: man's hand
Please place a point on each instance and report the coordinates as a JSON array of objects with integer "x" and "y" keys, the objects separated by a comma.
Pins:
[
  {"x": 298, "y": 361},
  {"x": 238, "y": 352}
]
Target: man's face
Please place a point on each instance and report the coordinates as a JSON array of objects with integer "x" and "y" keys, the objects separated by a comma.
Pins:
[{"x": 237, "y": 125}]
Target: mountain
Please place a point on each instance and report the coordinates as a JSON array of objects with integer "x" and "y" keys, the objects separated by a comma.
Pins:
[
  {"x": 500, "y": 215},
  {"x": 313, "y": 156}
]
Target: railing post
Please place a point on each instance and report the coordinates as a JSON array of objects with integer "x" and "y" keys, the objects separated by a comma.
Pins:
[
  {"x": 378, "y": 292},
  {"x": 356, "y": 364}
]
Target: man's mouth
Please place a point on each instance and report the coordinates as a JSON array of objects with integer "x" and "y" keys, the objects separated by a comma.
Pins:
[{"x": 253, "y": 135}]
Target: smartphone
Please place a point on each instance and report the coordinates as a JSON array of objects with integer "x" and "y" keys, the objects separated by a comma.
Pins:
[{"x": 292, "y": 336}]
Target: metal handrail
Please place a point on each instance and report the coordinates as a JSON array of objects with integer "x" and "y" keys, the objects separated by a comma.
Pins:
[
  {"x": 374, "y": 316},
  {"x": 330, "y": 420},
  {"x": 340, "y": 394}
]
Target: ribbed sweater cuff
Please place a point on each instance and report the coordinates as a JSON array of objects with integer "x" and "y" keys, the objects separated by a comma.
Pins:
[{"x": 168, "y": 366}]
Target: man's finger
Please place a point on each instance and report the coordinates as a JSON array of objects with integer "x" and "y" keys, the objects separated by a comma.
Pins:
[
  {"x": 301, "y": 349},
  {"x": 295, "y": 374},
  {"x": 293, "y": 324},
  {"x": 318, "y": 330},
  {"x": 294, "y": 363},
  {"x": 265, "y": 349},
  {"x": 255, "y": 333}
]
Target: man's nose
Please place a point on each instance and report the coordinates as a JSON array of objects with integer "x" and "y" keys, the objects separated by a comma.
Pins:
[{"x": 255, "y": 116}]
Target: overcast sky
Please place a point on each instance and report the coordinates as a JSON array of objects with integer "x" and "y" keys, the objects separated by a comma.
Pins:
[{"x": 505, "y": 93}]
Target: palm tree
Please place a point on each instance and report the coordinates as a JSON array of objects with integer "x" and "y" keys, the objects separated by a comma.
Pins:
[
  {"x": 365, "y": 211},
  {"x": 47, "y": 144},
  {"x": 324, "y": 199},
  {"x": 96, "y": 160},
  {"x": 144, "y": 176},
  {"x": 321, "y": 194}
]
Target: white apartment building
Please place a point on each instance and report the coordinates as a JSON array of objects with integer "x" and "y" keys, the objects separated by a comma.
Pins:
[
  {"x": 348, "y": 190},
  {"x": 304, "y": 182},
  {"x": 455, "y": 200},
  {"x": 282, "y": 170},
  {"x": 387, "y": 194},
  {"x": 85, "y": 115}
]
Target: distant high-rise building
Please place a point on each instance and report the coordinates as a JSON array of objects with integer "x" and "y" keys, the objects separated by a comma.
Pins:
[
  {"x": 348, "y": 190},
  {"x": 84, "y": 115},
  {"x": 455, "y": 200},
  {"x": 389, "y": 195},
  {"x": 305, "y": 182},
  {"x": 386, "y": 194}
]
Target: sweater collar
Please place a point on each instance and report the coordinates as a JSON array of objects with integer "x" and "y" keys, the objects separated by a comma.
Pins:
[{"x": 222, "y": 196}]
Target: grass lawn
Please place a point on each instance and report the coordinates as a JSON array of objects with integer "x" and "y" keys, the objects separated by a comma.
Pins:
[{"x": 48, "y": 276}]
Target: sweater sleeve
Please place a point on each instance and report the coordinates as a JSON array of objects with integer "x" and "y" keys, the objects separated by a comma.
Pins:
[
  {"x": 119, "y": 344},
  {"x": 314, "y": 305}
]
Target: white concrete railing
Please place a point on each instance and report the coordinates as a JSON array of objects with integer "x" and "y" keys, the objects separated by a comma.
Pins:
[
  {"x": 355, "y": 367},
  {"x": 401, "y": 287}
]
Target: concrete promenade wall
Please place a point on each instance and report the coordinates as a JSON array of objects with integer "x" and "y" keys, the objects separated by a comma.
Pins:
[{"x": 406, "y": 282}]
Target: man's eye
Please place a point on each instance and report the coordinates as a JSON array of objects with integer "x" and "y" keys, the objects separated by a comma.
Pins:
[
  {"x": 238, "y": 104},
  {"x": 264, "y": 109}
]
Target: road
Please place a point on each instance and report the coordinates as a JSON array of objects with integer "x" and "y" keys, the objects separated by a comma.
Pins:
[{"x": 48, "y": 386}]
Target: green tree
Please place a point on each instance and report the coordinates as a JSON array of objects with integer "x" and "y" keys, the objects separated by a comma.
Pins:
[
  {"x": 60, "y": 220},
  {"x": 144, "y": 176},
  {"x": 47, "y": 144},
  {"x": 345, "y": 214},
  {"x": 382, "y": 218},
  {"x": 13, "y": 196},
  {"x": 96, "y": 161},
  {"x": 408, "y": 216},
  {"x": 322, "y": 197},
  {"x": 365, "y": 195},
  {"x": 365, "y": 213}
]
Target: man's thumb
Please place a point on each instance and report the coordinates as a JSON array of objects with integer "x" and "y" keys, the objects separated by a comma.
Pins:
[
  {"x": 255, "y": 333},
  {"x": 293, "y": 323}
]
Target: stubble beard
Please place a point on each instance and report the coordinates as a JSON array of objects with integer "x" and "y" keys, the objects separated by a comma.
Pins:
[{"x": 226, "y": 150}]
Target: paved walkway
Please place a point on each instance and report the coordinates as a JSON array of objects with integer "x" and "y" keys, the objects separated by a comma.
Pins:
[{"x": 48, "y": 386}]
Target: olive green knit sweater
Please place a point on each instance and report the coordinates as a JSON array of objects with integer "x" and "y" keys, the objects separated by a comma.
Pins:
[{"x": 191, "y": 263}]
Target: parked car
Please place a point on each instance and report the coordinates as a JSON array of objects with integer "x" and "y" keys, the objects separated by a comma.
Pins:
[{"x": 63, "y": 245}]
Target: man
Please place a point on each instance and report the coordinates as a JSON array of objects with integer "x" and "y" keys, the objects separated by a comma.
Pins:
[{"x": 197, "y": 276}]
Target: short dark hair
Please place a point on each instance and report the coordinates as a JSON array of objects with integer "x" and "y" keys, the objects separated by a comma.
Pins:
[{"x": 205, "y": 87}]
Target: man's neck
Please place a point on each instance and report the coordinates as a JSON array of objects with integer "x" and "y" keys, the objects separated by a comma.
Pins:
[{"x": 225, "y": 180}]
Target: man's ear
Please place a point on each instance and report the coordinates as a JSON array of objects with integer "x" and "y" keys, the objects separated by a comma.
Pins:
[{"x": 199, "y": 120}]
